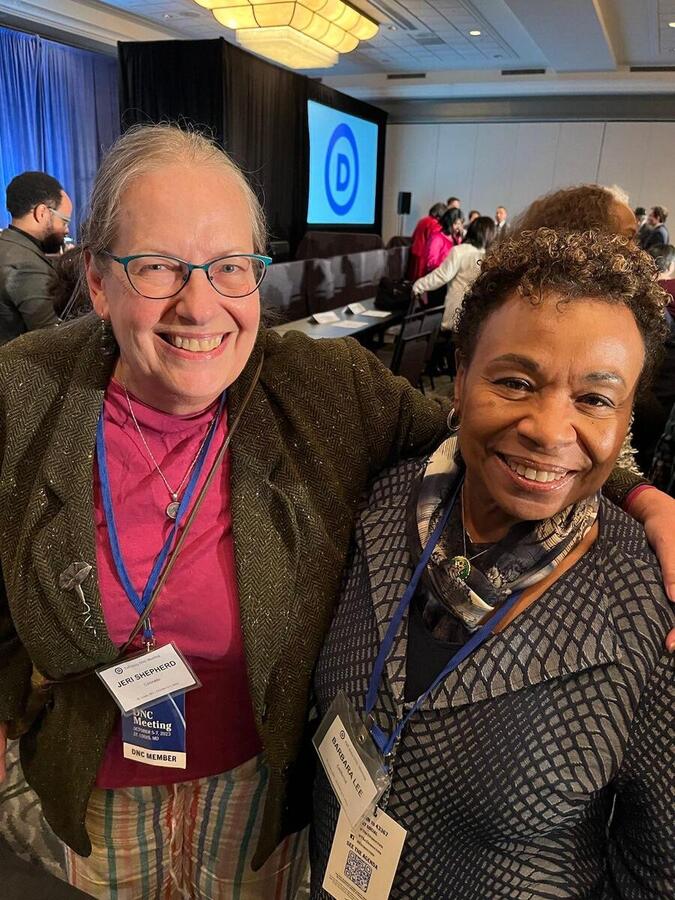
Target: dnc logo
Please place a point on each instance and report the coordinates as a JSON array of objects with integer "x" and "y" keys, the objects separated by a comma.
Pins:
[{"x": 341, "y": 170}]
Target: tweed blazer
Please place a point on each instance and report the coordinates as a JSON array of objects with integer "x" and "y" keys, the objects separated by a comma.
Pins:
[
  {"x": 24, "y": 279},
  {"x": 323, "y": 419},
  {"x": 541, "y": 767}
]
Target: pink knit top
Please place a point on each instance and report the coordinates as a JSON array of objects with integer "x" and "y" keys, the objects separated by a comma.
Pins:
[{"x": 198, "y": 608}]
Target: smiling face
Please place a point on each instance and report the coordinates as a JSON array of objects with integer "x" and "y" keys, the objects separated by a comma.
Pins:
[
  {"x": 195, "y": 213},
  {"x": 544, "y": 405}
]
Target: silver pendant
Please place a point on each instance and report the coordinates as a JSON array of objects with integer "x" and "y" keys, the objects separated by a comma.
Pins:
[{"x": 172, "y": 509}]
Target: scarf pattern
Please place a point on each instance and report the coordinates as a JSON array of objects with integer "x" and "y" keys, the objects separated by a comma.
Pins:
[{"x": 525, "y": 555}]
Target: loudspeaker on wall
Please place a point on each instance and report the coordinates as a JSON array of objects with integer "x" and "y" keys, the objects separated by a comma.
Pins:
[{"x": 404, "y": 200}]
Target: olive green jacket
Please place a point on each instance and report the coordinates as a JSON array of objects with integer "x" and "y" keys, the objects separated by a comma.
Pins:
[{"x": 324, "y": 418}]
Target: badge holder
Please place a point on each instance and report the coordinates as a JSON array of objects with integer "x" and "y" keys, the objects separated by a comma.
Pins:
[
  {"x": 140, "y": 680},
  {"x": 353, "y": 764}
]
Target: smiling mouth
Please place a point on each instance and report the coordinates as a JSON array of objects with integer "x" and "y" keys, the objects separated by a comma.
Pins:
[
  {"x": 530, "y": 473},
  {"x": 195, "y": 345}
]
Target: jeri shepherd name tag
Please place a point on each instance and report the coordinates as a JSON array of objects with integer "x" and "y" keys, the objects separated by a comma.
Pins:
[{"x": 141, "y": 680}]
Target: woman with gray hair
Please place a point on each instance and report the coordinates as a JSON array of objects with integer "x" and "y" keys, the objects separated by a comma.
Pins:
[{"x": 178, "y": 488}]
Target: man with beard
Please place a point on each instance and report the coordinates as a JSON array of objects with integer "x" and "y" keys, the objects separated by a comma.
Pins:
[{"x": 41, "y": 212}]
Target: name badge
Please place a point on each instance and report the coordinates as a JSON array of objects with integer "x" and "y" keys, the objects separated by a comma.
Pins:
[
  {"x": 363, "y": 862},
  {"x": 141, "y": 680},
  {"x": 351, "y": 760},
  {"x": 155, "y": 735}
]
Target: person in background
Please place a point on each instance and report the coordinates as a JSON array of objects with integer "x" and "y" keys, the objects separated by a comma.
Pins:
[
  {"x": 655, "y": 402},
  {"x": 501, "y": 216},
  {"x": 425, "y": 228},
  {"x": 665, "y": 262},
  {"x": 459, "y": 269},
  {"x": 41, "y": 212},
  {"x": 67, "y": 289},
  {"x": 473, "y": 214},
  {"x": 536, "y": 760},
  {"x": 453, "y": 203},
  {"x": 580, "y": 208},
  {"x": 439, "y": 246},
  {"x": 658, "y": 233},
  {"x": 641, "y": 224}
]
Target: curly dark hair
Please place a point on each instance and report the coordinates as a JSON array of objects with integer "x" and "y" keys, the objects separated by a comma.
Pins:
[
  {"x": 574, "y": 265},
  {"x": 584, "y": 207},
  {"x": 67, "y": 288},
  {"x": 29, "y": 189}
]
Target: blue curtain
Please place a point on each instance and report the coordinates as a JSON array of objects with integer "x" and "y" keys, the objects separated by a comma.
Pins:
[{"x": 58, "y": 113}]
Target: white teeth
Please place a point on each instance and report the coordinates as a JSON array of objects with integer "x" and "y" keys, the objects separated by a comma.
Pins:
[
  {"x": 535, "y": 474},
  {"x": 196, "y": 346}
]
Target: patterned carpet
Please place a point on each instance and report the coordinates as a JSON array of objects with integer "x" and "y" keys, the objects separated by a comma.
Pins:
[{"x": 22, "y": 826}]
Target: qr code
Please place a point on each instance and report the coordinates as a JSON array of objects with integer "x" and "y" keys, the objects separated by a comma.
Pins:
[{"x": 358, "y": 871}]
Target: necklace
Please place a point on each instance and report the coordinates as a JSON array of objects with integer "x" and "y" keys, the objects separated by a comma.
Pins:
[
  {"x": 461, "y": 565},
  {"x": 172, "y": 508}
]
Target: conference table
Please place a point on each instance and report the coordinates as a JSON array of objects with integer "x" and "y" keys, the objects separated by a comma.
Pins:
[{"x": 363, "y": 323}]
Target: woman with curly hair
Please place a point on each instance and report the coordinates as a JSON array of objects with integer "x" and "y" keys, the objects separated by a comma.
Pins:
[
  {"x": 581, "y": 208},
  {"x": 496, "y": 647}
]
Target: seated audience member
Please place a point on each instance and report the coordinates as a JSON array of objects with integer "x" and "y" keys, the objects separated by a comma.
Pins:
[
  {"x": 459, "y": 269},
  {"x": 473, "y": 214},
  {"x": 40, "y": 211},
  {"x": 501, "y": 216},
  {"x": 658, "y": 233},
  {"x": 653, "y": 406},
  {"x": 663, "y": 469},
  {"x": 453, "y": 203},
  {"x": 533, "y": 761},
  {"x": 581, "y": 208},
  {"x": 427, "y": 225},
  {"x": 67, "y": 289}
]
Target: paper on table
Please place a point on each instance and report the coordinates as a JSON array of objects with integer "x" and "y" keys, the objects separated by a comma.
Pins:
[
  {"x": 352, "y": 323},
  {"x": 326, "y": 318},
  {"x": 376, "y": 313}
]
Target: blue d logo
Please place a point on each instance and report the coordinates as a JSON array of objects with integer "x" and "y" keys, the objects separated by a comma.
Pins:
[{"x": 345, "y": 172}]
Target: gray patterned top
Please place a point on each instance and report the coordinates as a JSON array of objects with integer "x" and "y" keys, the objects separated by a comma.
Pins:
[{"x": 540, "y": 768}]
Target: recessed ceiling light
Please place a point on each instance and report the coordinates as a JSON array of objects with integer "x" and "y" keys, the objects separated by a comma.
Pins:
[
  {"x": 476, "y": 33},
  {"x": 671, "y": 24}
]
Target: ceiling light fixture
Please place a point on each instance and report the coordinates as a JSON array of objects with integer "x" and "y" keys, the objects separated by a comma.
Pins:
[
  {"x": 475, "y": 33},
  {"x": 671, "y": 24},
  {"x": 300, "y": 34}
]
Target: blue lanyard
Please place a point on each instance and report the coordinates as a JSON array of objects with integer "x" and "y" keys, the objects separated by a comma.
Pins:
[
  {"x": 140, "y": 604},
  {"x": 386, "y": 742}
]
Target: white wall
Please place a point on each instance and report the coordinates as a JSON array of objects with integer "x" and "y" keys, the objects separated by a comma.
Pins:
[{"x": 510, "y": 164}]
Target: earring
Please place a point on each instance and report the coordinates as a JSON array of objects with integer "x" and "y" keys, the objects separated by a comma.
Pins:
[{"x": 453, "y": 427}]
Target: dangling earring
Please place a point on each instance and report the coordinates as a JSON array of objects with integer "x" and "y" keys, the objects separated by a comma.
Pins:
[{"x": 453, "y": 427}]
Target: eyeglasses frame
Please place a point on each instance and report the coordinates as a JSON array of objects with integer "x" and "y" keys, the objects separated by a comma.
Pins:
[
  {"x": 65, "y": 219},
  {"x": 125, "y": 260}
]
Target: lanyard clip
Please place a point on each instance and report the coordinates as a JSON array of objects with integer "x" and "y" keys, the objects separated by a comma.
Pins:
[{"x": 149, "y": 637}]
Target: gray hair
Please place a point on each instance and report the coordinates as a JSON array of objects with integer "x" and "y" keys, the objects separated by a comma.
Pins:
[{"x": 142, "y": 149}]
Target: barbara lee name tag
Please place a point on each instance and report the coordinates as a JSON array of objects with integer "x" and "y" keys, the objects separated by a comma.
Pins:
[
  {"x": 363, "y": 861},
  {"x": 350, "y": 759},
  {"x": 140, "y": 680}
]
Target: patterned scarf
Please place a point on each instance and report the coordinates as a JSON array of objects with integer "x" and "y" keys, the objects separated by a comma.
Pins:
[{"x": 525, "y": 555}]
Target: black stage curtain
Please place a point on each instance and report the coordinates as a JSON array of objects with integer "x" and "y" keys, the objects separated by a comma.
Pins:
[
  {"x": 172, "y": 81},
  {"x": 266, "y": 134},
  {"x": 255, "y": 109}
]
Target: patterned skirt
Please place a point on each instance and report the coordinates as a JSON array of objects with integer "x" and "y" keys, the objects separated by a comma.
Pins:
[{"x": 189, "y": 841}]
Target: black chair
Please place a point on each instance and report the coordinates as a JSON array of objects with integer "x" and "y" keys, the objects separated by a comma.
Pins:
[{"x": 414, "y": 344}]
